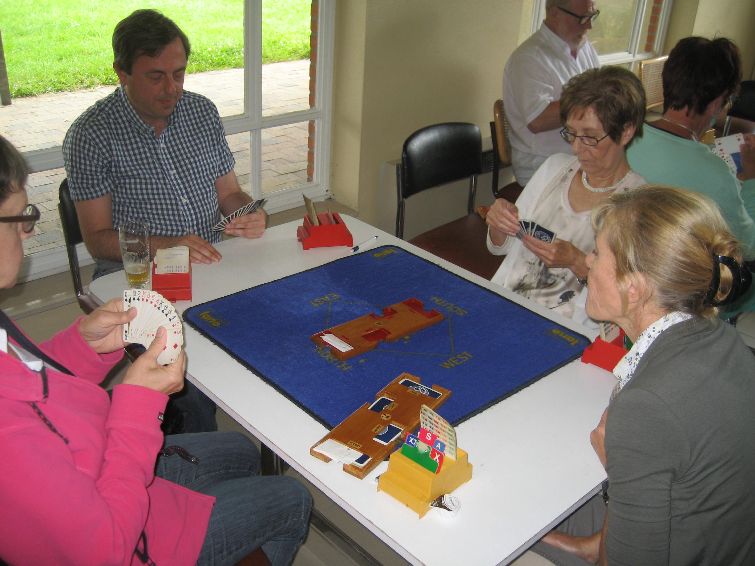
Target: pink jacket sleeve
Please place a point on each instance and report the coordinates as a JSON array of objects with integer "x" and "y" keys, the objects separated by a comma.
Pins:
[
  {"x": 56, "y": 512},
  {"x": 71, "y": 350}
]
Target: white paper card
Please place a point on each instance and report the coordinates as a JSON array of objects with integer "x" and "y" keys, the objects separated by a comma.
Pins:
[
  {"x": 336, "y": 342},
  {"x": 172, "y": 260},
  {"x": 337, "y": 451}
]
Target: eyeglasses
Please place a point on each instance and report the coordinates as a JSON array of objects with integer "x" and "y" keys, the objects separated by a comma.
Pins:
[
  {"x": 569, "y": 138},
  {"x": 28, "y": 219},
  {"x": 582, "y": 19}
]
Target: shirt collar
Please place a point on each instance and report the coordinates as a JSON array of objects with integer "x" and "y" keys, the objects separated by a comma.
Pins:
[
  {"x": 624, "y": 370},
  {"x": 137, "y": 120},
  {"x": 556, "y": 42}
]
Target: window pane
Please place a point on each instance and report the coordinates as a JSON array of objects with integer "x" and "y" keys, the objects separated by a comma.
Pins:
[
  {"x": 216, "y": 65},
  {"x": 42, "y": 189},
  {"x": 285, "y": 157},
  {"x": 239, "y": 144},
  {"x": 289, "y": 35},
  {"x": 225, "y": 88},
  {"x": 612, "y": 31}
]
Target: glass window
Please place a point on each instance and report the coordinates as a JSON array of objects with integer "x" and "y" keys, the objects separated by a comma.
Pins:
[
  {"x": 272, "y": 92},
  {"x": 626, "y": 30}
]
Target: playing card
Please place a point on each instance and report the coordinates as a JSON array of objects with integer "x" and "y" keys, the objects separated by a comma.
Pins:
[
  {"x": 543, "y": 234},
  {"x": 530, "y": 228},
  {"x": 248, "y": 208},
  {"x": 152, "y": 312},
  {"x": 727, "y": 148},
  {"x": 526, "y": 229}
]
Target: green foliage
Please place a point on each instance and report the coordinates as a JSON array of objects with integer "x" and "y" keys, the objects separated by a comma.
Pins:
[{"x": 60, "y": 45}]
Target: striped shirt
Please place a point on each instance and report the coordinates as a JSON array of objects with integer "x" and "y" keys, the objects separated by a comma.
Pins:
[{"x": 166, "y": 181}]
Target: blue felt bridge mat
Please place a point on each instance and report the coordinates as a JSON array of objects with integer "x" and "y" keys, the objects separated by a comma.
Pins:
[{"x": 486, "y": 348}]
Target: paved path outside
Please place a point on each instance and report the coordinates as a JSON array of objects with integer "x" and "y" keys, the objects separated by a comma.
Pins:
[{"x": 40, "y": 122}]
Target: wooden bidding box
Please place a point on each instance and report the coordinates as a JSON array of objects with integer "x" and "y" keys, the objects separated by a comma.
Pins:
[
  {"x": 329, "y": 231},
  {"x": 417, "y": 487},
  {"x": 363, "y": 334},
  {"x": 369, "y": 434}
]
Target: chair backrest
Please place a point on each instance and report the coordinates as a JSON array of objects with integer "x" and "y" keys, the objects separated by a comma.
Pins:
[
  {"x": 744, "y": 104},
  {"x": 499, "y": 133},
  {"x": 436, "y": 155},
  {"x": 69, "y": 221},
  {"x": 651, "y": 71}
]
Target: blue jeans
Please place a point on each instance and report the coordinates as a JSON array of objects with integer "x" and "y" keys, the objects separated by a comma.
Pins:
[{"x": 250, "y": 510}]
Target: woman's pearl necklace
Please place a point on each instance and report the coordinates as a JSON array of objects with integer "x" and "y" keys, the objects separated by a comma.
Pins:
[{"x": 608, "y": 189}]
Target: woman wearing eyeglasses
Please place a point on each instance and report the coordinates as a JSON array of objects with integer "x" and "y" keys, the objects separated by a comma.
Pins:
[
  {"x": 602, "y": 110},
  {"x": 86, "y": 478}
]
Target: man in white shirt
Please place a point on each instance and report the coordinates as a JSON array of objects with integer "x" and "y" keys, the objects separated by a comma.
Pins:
[{"x": 534, "y": 76}]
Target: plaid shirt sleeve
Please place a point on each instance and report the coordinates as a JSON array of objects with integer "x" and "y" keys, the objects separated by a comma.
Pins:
[{"x": 87, "y": 160}]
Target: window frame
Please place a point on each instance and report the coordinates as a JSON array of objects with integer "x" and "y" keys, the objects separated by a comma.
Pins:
[
  {"x": 251, "y": 121},
  {"x": 634, "y": 54}
]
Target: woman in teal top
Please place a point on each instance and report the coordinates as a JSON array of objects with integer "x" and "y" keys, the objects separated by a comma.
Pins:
[{"x": 699, "y": 79}]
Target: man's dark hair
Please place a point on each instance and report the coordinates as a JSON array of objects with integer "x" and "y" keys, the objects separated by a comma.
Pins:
[
  {"x": 144, "y": 32},
  {"x": 698, "y": 71}
]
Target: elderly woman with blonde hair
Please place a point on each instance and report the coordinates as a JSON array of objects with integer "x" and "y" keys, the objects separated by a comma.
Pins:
[{"x": 678, "y": 436}]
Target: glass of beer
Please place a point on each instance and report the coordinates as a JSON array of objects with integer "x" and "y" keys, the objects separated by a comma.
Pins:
[{"x": 133, "y": 236}]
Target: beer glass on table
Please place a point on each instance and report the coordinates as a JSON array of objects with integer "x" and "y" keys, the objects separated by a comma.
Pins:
[{"x": 133, "y": 236}]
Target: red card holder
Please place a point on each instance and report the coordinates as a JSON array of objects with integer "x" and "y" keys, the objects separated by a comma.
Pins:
[
  {"x": 605, "y": 354},
  {"x": 330, "y": 232},
  {"x": 173, "y": 286}
]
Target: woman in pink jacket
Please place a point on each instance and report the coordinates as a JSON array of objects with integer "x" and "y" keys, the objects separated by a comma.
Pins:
[{"x": 85, "y": 479}]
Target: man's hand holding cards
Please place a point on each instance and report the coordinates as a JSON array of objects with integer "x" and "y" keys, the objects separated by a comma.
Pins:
[
  {"x": 247, "y": 221},
  {"x": 530, "y": 228},
  {"x": 153, "y": 312}
]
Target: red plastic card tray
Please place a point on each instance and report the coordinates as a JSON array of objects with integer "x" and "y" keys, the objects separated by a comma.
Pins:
[{"x": 331, "y": 231}]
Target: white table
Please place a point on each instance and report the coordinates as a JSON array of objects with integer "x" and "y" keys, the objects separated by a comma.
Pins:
[{"x": 533, "y": 463}]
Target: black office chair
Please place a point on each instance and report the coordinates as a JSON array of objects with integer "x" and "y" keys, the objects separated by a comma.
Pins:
[
  {"x": 69, "y": 221},
  {"x": 437, "y": 155}
]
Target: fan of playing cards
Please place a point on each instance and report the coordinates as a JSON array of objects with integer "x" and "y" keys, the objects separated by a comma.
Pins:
[
  {"x": 530, "y": 228},
  {"x": 152, "y": 312},
  {"x": 246, "y": 209}
]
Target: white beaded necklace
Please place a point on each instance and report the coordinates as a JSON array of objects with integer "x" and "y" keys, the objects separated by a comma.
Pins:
[{"x": 608, "y": 189}]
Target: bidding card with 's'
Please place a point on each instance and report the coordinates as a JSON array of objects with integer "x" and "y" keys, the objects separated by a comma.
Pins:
[{"x": 152, "y": 312}]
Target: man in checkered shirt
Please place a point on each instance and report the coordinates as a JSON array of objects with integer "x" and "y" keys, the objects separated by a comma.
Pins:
[{"x": 152, "y": 152}]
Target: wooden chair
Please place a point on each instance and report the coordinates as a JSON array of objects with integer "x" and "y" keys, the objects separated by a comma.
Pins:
[
  {"x": 499, "y": 129},
  {"x": 651, "y": 71},
  {"x": 437, "y": 155}
]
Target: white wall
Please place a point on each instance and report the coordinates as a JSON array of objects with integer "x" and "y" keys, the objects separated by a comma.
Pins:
[{"x": 424, "y": 61}]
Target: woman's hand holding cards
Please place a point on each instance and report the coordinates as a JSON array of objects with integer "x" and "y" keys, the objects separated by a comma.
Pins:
[
  {"x": 102, "y": 328},
  {"x": 503, "y": 219},
  {"x": 558, "y": 253},
  {"x": 147, "y": 372}
]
